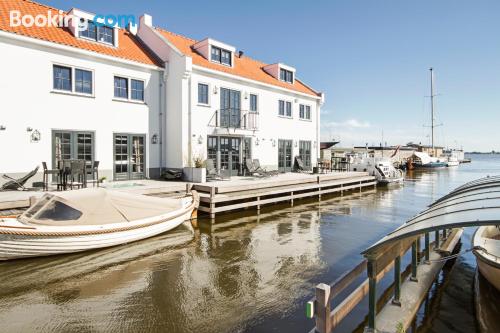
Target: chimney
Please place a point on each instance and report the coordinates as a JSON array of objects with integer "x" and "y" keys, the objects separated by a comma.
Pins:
[
  {"x": 240, "y": 53},
  {"x": 147, "y": 20},
  {"x": 132, "y": 28}
]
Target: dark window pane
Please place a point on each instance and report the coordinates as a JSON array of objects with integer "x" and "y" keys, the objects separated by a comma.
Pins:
[
  {"x": 226, "y": 57},
  {"x": 301, "y": 111},
  {"x": 137, "y": 90},
  {"x": 215, "y": 54},
  {"x": 62, "y": 78},
  {"x": 90, "y": 32},
  {"x": 202, "y": 93},
  {"x": 288, "y": 109},
  {"x": 308, "y": 112},
  {"x": 105, "y": 34},
  {"x": 83, "y": 81},
  {"x": 253, "y": 102},
  {"x": 281, "y": 108},
  {"x": 121, "y": 87}
]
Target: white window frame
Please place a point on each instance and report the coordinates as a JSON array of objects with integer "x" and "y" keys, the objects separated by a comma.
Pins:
[
  {"x": 305, "y": 112},
  {"x": 73, "y": 80},
  {"x": 231, "y": 56},
  {"x": 291, "y": 109},
  {"x": 250, "y": 102}
]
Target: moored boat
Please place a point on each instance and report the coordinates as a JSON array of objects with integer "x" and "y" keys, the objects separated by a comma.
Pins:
[
  {"x": 486, "y": 244},
  {"x": 424, "y": 161},
  {"x": 88, "y": 219},
  {"x": 381, "y": 168}
]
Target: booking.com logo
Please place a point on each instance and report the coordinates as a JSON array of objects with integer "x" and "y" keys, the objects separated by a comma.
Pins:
[{"x": 60, "y": 19}]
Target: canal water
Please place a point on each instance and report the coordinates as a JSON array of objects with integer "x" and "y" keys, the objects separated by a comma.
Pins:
[{"x": 243, "y": 274}]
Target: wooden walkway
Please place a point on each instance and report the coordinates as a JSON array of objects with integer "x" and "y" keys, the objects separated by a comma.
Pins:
[{"x": 245, "y": 192}]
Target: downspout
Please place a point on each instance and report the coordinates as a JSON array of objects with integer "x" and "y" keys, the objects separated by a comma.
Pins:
[
  {"x": 162, "y": 90},
  {"x": 190, "y": 139}
]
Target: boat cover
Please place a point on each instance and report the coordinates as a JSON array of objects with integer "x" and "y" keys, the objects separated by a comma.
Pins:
[
  {"x": 424, "y": 157},
  {"x": 96, "y": 206},
  {"x": 476, "y": 203}
]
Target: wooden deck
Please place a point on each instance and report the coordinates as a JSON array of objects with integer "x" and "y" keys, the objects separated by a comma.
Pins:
[{"x": 245, "y": 192}]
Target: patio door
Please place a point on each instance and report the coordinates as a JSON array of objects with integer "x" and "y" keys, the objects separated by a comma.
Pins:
[
  {"x": 230, "y": 108},
  {"x": 129, "y": 156},
  {"x": 230, "y": 155},
  {"x": 285, "y": 155},
  {"x": 72, "y": 145}
]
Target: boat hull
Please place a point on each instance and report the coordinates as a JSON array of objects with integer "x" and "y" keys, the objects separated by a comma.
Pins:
[
  {"x": 488, "y": 262},
  {"x": 433, "y": 165}
]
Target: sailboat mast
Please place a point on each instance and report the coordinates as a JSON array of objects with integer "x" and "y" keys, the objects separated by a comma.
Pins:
[{"x": 432, "y": 110}]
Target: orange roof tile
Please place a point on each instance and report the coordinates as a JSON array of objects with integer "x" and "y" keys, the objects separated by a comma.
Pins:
[
  {"x": 244, "y": 66},
  {"x": 129, "y": 47}
]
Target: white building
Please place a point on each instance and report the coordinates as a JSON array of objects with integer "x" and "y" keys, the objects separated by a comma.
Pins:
[{"x": 141, "y": 99}]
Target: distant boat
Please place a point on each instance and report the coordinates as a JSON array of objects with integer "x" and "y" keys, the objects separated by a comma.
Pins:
[
  {"x": 424, "y": 161},
  {"x": 381, "y": 168},
  {"x": 486, "y": 244},
  {"x": 89, "y": 219}
]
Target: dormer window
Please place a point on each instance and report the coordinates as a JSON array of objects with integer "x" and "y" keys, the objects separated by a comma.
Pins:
[
  {"x": 99, "y": 33},
  {"x": 220, "y": 55},
  {"x": 286, "y": 75}
]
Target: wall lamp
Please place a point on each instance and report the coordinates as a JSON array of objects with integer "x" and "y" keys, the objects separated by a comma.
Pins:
[
  {"x": 200, "y": 140},
  {"x": 154, "y": 139},
  {"x": 29, "y": 129},
  {"x": 257, "y": 141},
  {"x": 215, "y": 90},
  {"x": 2, "y": 128}
]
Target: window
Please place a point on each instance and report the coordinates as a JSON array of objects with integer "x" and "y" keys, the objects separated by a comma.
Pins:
[
  {"x": 305, "y": 153},
  {"x": 62, "y": 78},
  {"x": 83, "y": 81},
  {"x": 203, "y": 93},
  {"x": 288, "y": 109},
  {"x": 220, "y": 55},
  {"x": 286, "y": 75},
  {"x": 137, "y": 90},
  {"x": 281, "y": 108},
  {"x": 105, "y": 34},
  {"x": 121, "y": 87},
  {"x": 305, "y": 112},
  {"x": 253, "y": 103},
  {"x": 99, "y": 33}
]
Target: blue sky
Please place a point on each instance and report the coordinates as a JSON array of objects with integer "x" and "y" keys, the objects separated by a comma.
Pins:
[{"x": 370, "y": 58}]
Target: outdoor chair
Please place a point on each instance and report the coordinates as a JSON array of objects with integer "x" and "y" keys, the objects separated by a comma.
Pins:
[
  {"x": 252, "y": 171},
  {"x": 299, "y": 165},
  {"x": 172, "y": 174},
  {"x": 258, "y": 168},
  {"x": 16, "y": 184},
  {"x": 46, "y": 173},
  {"x": 93, "y": 171},
  {"x": 77, "y": 174},
  {"x": 212, "y": 173}
]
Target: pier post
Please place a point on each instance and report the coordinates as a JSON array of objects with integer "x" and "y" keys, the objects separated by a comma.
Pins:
[
  {"x": 372, "y": 295},
  {"x": 414, "y": 264},
  {"x": 323, "y": 322},
  {"x": 436, "y": 240},
  {"x": 419, "y": 250},
  {"x": 444, "y": 234},
  {"x": 291, "y": 201},
  {"x": 427, "y": 248},
  {"x": 397, "y": 281},
  {"x": 258, "y": 205},
  {"x": 212, "y": 203},
  {"x": 319, "y": 188}
]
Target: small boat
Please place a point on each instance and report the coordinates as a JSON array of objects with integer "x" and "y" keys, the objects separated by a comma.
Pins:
[
  {"x": 89, "y": 219},
  {"x": 452, "y": 162},
  {"x": 424, "y": 161},
  {"x": 486, "y": 244},
  {"x": 381, "y": 168}
]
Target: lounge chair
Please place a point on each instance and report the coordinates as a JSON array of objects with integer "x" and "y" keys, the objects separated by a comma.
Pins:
[
  {"x": 258, "y": 168},
  {"x": 212, "y": 173},
  {"x": 252, "y": 170},
  {"x": 15, "y": 184},
  {"x": 172, "y": 174},
  {"x": 299, "y": 165}
]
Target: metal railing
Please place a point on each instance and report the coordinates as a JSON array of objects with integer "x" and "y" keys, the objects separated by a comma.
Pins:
[{"x": 235, "y": 118}]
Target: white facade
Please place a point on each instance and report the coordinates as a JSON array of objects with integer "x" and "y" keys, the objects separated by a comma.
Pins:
[{"x": 29, "y": 101}]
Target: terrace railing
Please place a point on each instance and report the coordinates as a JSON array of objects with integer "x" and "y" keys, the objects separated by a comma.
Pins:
[{"x": 235, "y": 119}]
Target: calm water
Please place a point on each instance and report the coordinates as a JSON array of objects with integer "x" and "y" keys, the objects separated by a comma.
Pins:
[{"x": 244, "y": 274}]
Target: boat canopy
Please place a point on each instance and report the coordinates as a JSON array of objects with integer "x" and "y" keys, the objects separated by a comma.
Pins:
[
  {"x": 424, "y": 157},
  {"x": 96, "y": 207},
  {"x": 476, "y": 203}
]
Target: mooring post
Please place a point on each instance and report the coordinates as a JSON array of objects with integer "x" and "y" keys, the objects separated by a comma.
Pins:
[
  {"x": 436, "y": 240},
  {"x": 372, "y": 295},
  {"x": 291, "y": 201},
  {"x": 258, "y": 205},
  {"x": 212, "y": 203},
  {"x": 414, "y": 263},
  {"x": 427, "y": 248},
  {"x": 319, "y": 188},
  {"x": 323, "y": 322},
  {"x": 397, "y": 281},
  {"x": 419, "y": 245}
]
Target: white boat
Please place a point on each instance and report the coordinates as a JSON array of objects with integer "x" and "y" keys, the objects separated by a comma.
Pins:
[
  {"x": 424, "y": 161},
  {"x": 88, "y": 219},
  {"x": 452, "y": 162},
  {"x": 486, "y": 244},
  {"x": 381, "y": 168}
]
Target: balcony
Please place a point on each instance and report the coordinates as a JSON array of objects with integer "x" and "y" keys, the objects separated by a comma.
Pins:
[{"x": 235, "y": 119}]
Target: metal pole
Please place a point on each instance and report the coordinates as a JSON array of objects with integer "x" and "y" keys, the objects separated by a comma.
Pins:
[
  {"x": 413, "y": 276},
  {"x": 432, "y": 111},
  {"x": 372, "y": 295},
  {"x": 436, "y": 239},
  {"x": 427, "y": 248},
  {"x": 397, "y": 281}
]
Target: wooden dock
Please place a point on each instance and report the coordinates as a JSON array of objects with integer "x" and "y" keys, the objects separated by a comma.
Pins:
[{"x": 246, "y": 192}]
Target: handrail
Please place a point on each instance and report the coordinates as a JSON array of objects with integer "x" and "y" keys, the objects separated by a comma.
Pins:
[{"x": 234, "y": 118}]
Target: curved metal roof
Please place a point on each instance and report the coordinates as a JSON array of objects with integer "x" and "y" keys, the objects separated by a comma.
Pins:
[{"x": 475, "y": 203}]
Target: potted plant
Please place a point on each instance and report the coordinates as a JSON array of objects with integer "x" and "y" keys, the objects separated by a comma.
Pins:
[{"x": 197, "y": 172}]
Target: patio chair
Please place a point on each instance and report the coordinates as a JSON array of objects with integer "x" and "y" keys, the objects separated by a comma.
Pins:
[
  {"x": 46, "y": 173},
  {"x": 16, "y": 184},
  {"x": 250, "y": 167},
  {"x": 77, "y": 174},
  {"x": 258, "y": 168},
  {"x": 94, "y": 172},
  {"x": 172, "y": 174},
  {"x": 212, "y": 173},
  {"x": 299, "y": 165}
]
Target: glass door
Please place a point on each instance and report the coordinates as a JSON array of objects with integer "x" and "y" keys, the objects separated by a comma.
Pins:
[
  {"x": 72, "y": 145},
  {"x": 129, "y": 156},
  {"x": 235, "y": 156},
  {"x": 230, "y": 155},
  {"x": 230, "y": 108},
  {"x": 285, "y": 155}
]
